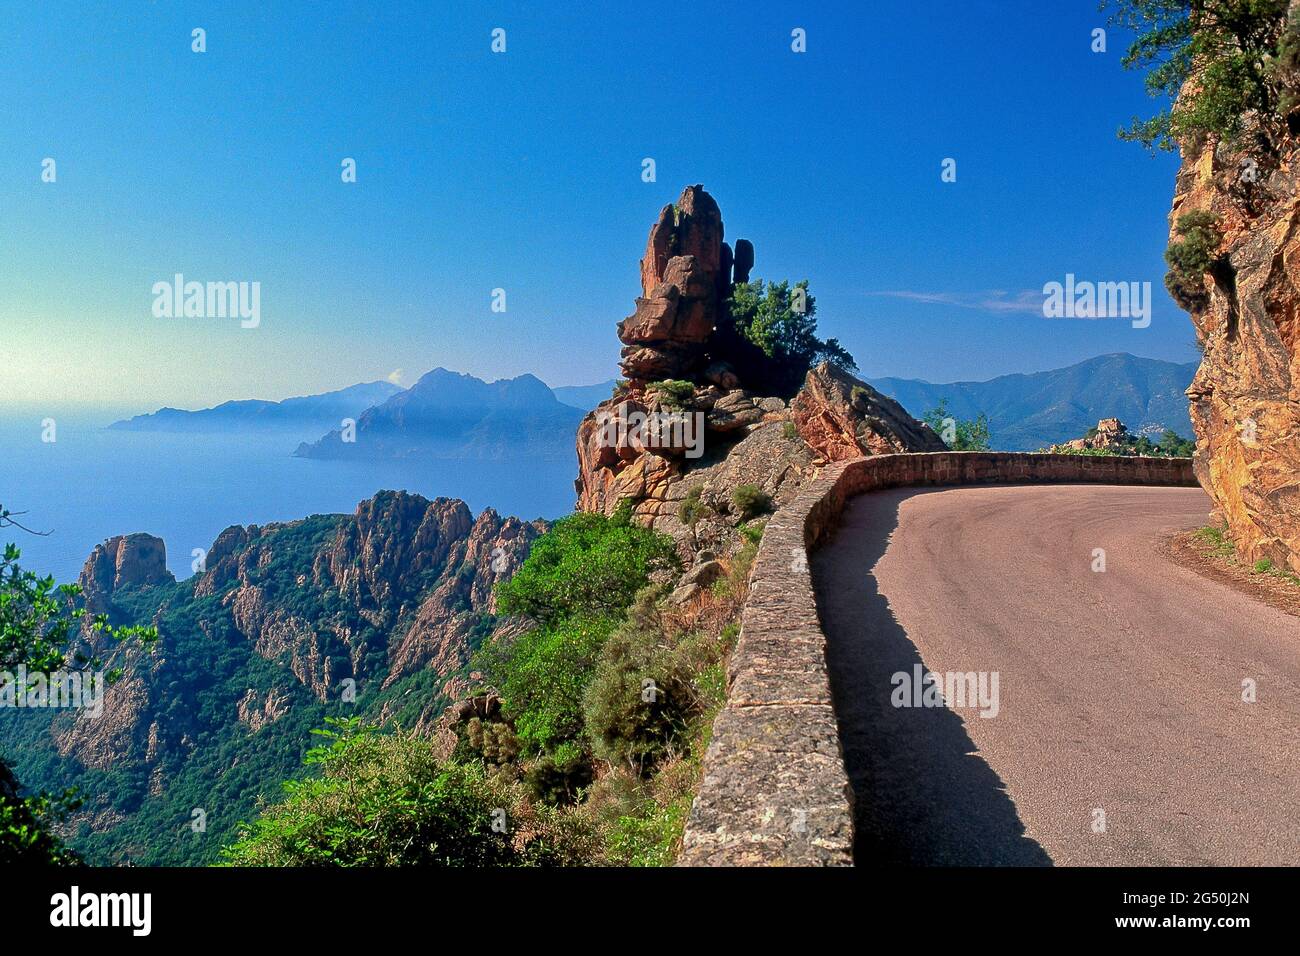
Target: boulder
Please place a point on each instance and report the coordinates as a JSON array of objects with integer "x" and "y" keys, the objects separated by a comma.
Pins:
[{"x": 842, "y": 417}]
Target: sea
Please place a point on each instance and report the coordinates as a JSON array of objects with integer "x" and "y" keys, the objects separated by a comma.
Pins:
[{"x": 78, "y": 483}]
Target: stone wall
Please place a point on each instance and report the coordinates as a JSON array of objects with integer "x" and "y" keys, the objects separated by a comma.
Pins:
[{"x": 774, "y": 791}]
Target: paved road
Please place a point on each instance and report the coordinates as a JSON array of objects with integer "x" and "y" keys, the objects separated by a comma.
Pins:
[{"x": 1118, "y": 691}]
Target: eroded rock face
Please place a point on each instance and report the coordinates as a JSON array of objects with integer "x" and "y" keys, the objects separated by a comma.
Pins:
[
  {"x": 841, "y": 417},
  {"x": 401, "y": 585},
  {"x": 1245, "y": 399},
  {"x": 683, "y": 287},
  {"x": 130, "y": 560}
]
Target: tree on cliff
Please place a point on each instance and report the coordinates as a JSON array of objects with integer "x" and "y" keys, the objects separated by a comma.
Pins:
[
  {"x": 1245, "y": 56},
  {"x": 39, "y": 625},
  {"x": 779, "y": 321}
]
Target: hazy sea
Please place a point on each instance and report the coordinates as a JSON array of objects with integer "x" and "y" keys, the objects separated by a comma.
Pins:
[{"x": 92, "y": 483}]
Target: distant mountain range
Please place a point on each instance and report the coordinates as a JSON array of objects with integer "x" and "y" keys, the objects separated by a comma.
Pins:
[
  {"x": 1032, "y": 411},
  {"x": 310, "y": 413},
  {"x": 450, "y": 415}
]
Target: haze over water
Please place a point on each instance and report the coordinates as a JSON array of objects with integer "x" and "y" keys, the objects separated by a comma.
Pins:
[{"x": 93, "y": 483}]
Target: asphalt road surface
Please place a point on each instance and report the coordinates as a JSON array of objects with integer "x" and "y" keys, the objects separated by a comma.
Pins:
[{"x": 1120, "y": 736}]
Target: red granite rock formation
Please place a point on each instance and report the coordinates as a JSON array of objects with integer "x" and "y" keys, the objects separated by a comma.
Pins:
[
  {"x": 732, "y": 434},
  {"x": 1245, "y": 398}
]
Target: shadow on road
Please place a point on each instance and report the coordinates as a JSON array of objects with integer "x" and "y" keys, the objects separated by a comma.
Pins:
[{"x": 924, "y": 795}]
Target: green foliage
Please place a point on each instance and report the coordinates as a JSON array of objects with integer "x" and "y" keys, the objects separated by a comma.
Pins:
[
  {"x": 26, "y": 837},
  {"x": 692, "y": 509},
  {"x": 558, "y": 778},
  {"x": 542, "y": 674},
  {"x": 750, "y": 501},
  {"x": 1174, "y": 445},
  {"x": 779, "y": 320},
  {"x": 673, "y": 392},
  {"x": 1191, "y": 256},
  {"x": 586, "y": 564},
  {"x": 386, "y": 800},
  {"x": 959, "y": 434},
  {"x": 641, "y": 698},
  {"x": 648, "y": 835},
  {"x": 1241, "y": 53},
  {"x": 1171, "y": 445},
  {"x": 788, "y": 430},
  {"x": 1217, "y": 539},
  {"x": 39, "y": 625}
]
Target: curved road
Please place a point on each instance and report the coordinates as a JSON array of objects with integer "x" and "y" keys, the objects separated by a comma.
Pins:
[{"x": 1119, "y": 692}]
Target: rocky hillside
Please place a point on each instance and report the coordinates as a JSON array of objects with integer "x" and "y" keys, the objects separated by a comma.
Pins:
[
  {"x": 373, "y": 613},
  {"x": 1241, "y": 205},
  {"x": 685, "y": 364}
]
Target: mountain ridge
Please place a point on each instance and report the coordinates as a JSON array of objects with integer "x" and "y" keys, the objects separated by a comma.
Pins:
[
  {"x": 318, "y": 410},
  {"x": 450, "y": 414},
  {"x": 1032, "y": 410}
]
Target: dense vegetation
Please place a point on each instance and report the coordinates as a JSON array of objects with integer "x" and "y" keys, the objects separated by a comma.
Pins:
[
  {"x": 1170, "y": 445},
  {"x": 772, "y": 336},
  {"x": 41, "y": 631},
  {"x": 586, "y": 748},
  {"x": 959, "y": 434},
  {"x": 1244, "y": 55}
]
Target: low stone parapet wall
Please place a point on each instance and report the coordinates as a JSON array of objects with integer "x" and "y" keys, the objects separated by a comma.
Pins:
[{"x": 774, "y": 791}]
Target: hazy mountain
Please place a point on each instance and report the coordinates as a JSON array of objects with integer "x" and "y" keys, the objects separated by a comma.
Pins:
[
  {"x": 585, "y": 397},
  {"x": 1032, "y": 411},
  {"x": 309, "y": 413},
  {"x": 450, "y": 415}
]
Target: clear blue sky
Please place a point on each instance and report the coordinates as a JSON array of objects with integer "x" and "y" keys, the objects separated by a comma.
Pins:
[{"x": 523, "y": 171}]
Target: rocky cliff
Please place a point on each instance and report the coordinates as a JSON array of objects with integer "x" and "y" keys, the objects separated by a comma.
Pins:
[
  {"x": 374, "y": 614},
  {"x": 692, "y": 421},
  {"x": 1245, "y": 399}
]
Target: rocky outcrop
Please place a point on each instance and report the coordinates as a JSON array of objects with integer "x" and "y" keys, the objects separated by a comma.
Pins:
[
  {"x": 683, "y": 290},
  {"x": 414, "y": 574},
  {"x": 841, "y": 418},
  {"x": 1111, "y": 434},
  {"x": 131, "y": 560},
  {"x": 687, "y": 423},
  {"x": 1245, "y": 399},
  {"x": 258, "y": 710}
]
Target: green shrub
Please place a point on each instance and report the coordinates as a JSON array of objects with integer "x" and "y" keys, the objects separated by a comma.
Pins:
[
  {"x": 586, "y": 564},
  {"x": 788, "y": 430},
  {"x": 673, "y": 392},
  {"x": 750, "y": 501},
  {"x": 969, "y": 434},
  {"x": 558, "y": 778},
  {"x": 1191, "y": 256},
  {"x": 641, "y": 698},
  {"x": 541, "y": 676},
  {"x": 386, "y": 800},
  {"x": 1240, "y": 54},
  {"x": 767, "y": 318},
  {"x": 692, "y": 509},
  {"x": 1263, "y": 565}
]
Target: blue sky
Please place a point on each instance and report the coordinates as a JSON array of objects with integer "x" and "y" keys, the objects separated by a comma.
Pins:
[{"x": 522, "y": 170}]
